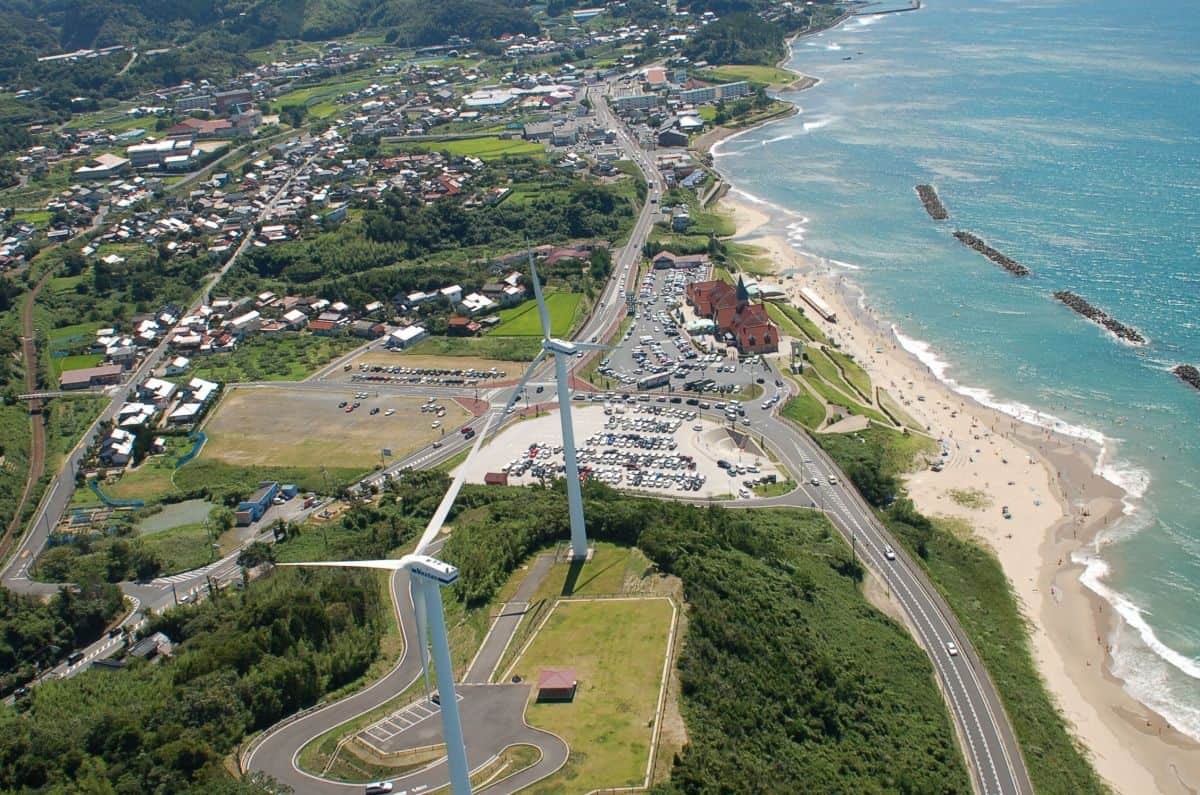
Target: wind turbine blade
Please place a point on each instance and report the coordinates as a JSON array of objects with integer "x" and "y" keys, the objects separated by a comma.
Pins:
[
  {"x": 443, "y": 509},
  {"x": 385, "y": 565},
  {"x": 593, "y": 346},
  {"x": 543, "y": 312},
  {"x": 516, "y": 395},
  {"x": 417, "y": 592}
]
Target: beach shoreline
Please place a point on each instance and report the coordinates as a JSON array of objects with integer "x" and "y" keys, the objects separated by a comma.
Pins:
[{"x": 1062, "y": 505}]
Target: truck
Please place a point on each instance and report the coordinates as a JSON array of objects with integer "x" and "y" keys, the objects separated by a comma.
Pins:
[{"x": 653, "y": 381}]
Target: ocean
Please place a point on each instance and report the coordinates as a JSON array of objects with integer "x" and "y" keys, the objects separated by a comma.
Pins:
[{"x": 1067, "y": 135}]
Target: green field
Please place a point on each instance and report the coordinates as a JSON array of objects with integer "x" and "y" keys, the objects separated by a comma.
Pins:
[
  {"x": 524, "y": 320},
  {"x": 806, "y": 410},
  {"x": 617, "y": 649},
  {"x": 488, "y": 148},
  {"x": 767, "y": 75},
  {"x": 68, "y": 335},
  {"x": 508, "y": 349},
  {"x": 287, "y": 356},
  {"x": 853, "y": 372},
  {"x": 59, "y": 364}
]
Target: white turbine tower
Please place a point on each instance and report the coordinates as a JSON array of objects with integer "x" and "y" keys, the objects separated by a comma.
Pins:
[
  {"x": 426, "y": 577},
  {"x": 563, "y": 351}
]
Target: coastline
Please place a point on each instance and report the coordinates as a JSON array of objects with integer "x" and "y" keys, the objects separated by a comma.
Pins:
[{"x": 1061, "y": 503}]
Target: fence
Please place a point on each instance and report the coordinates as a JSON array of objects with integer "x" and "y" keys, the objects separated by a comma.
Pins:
[
  {"x": 200, "y": 438},
  {"x": 109, "y": 501}
]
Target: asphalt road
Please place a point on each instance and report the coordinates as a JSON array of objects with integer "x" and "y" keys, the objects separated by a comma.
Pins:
[
  {"x": 989, "y": 743},
  {"x": 492, "y": 716}
]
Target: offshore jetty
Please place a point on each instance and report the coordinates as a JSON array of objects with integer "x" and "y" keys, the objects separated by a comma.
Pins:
[
  {"x": 1127, "y": 333},
  {"x": 1003, "y": 260},
  {"x": 1189, "y": 374},
  {"x": 933, "y": 203}
]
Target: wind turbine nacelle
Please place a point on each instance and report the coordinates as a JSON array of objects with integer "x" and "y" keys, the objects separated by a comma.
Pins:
[
  {"x": 432, "y": 569},
  {"x": 559, "y": 346}
]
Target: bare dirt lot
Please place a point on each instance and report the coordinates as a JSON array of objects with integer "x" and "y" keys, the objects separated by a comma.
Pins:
[{"x": 271, "y": 426}]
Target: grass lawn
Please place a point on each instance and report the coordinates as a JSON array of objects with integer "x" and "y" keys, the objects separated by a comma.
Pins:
[
  {"x": 806, "y": 410},
  {"x": 67, "y": 335},
  {"x": 754, "y": 260},
  {"x": 819, "y": 360},
  {"x": 768, "y": 75},
  {"x": 854, "y": 374},
  {"x": 777, "y": 489},
  {"x": 524, "y": 321},
  {"x": 838, "y": 399},
  {"x": 58, "y": 364},
  {"x": 182, "y": 548},
  {"x": 776, "y": 313},
  {"x": 486, "y": 148},
  {"x": 293, "y": 427},
  {"x": 153, "y": 480},
  {"x": 35, "y": 217},
  {"x": 618, "y": 648},
  {"x": 506, "y": 349},
  {"x": 64, "y": 284}
]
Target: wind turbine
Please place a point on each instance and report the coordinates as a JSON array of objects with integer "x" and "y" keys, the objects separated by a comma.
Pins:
[
  {"x": 426, "y": 577},
  {"x": 562, "y": 351}
]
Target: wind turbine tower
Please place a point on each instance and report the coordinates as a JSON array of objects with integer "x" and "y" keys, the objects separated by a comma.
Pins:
[
  {"x": 563, "y": 352},
  {"x": 426, "y": 577}
]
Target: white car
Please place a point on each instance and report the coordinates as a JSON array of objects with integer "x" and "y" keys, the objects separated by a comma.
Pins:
[
  {"x": 888, "y": 552},
  {"x": 379, "y": 788},
  {"x": 951, "y": 648},
  {"x": 435, "y": 424}
]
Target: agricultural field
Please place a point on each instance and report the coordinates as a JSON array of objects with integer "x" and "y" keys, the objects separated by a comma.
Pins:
[
  {"x": 524, "y": 320},
  {"x": 486, "y": 148},
  {"x": 287, "y": 356},
  {"x": 618, "y": 649},
  {"x": 267, "y": 426}
]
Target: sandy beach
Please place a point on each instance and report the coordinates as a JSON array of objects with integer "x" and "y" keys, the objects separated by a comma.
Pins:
[{"x": 1058, "y": 503}]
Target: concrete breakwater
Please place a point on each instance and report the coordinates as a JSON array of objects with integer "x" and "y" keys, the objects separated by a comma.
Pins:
[
  {"x": 1003, "y": 260},
  {"x": 1188, "y": 374},
  {"x": 1127, "y": 333},
  {"x": 933, "y": 203}
]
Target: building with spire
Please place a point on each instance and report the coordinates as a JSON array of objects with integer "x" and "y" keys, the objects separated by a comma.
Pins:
[{"x": 741, "y": 322}]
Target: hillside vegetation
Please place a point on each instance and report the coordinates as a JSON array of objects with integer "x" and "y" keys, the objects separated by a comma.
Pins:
[{"x": 974, "y": 584}]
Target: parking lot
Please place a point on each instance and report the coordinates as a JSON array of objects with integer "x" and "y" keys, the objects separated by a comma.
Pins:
[
  {"x": 630, "y": 442},
  {"x": 276, "y": 426},
  {"x": 657, "y": 353}
]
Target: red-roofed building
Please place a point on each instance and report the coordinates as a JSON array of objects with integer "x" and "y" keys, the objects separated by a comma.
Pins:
[
  {"x": 458, "y": 326},
  {"x": 556, "y": 684},
  {"x": 201, "y": 128},
  {"x": 325, "y": 328},
  {"x": 730, "y": 309}
]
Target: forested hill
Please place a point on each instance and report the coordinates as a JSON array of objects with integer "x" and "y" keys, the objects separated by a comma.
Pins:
[{"x": 39, "y": 28}]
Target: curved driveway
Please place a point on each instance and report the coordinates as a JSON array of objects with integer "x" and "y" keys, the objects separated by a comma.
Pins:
[{"x": 492, "y": 720}]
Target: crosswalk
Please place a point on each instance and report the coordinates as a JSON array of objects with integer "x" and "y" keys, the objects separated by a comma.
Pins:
[{"x": 381, "y": 732}]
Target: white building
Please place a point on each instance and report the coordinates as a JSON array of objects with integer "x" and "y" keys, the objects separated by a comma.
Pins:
[{"x": 403, "y": 338}]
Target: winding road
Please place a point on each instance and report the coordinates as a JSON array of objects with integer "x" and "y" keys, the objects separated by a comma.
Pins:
[{"x": 491, "y": 714}]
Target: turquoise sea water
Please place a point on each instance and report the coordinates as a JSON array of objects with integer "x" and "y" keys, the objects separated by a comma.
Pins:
[{"x": 1068, "y": 136}]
